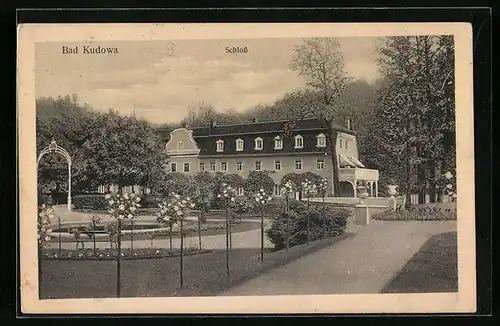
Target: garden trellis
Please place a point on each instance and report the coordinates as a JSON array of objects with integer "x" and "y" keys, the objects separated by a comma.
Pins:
[{"x": 54, "y": 148}]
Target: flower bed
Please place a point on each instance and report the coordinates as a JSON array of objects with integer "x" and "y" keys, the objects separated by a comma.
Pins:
[
  {"x": 110, "y": 254},
  {"x": 417, "y": 213}
]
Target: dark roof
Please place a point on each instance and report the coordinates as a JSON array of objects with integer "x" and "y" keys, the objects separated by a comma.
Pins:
[{"x": 250, "y": 128}]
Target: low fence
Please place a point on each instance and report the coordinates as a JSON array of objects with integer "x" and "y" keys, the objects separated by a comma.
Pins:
[{"x": 381, "y": 203}]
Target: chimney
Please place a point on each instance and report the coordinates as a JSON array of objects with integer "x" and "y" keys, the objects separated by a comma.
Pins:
[{"x": 349, "y": 123}]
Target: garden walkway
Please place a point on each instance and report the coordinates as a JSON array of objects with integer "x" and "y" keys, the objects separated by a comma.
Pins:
[{"x": 363, "y": 263}]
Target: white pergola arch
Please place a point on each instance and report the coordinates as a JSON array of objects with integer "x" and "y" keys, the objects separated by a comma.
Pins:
[{"x": 54, "y": 148}]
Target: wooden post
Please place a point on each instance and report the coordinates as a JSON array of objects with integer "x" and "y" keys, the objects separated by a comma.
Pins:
[
  {"x": 324, "y": 217},
  {"x": 199, "y": 230},
  {"x": 59, "y": 220},
  {"x": 227, "y": 240},
  {"x": 287, "y": 228},
  {"x": 182, "y": 254},
  {"x": 93, "y": 234},
  {"x": 308, "y": 220},
  {"x": 262, "y": 234},
  {"x": 118, "y": 260},
  {"x": 132, "y": 235}
]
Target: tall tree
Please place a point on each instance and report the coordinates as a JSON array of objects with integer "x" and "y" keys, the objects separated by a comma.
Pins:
[
  {"x": 123, "y": 150},
  {"x": 321, "y": 62},
  {"x": 415, "y": 114}
]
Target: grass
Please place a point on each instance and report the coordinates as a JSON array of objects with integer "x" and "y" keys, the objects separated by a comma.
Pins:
[
  {"x": 204, "y": 274},
  {"x": 432, "y": 269}
]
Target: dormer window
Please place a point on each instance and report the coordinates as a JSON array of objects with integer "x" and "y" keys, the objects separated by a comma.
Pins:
[
  {"x": 278, "y": 142},
  {"x": 299, "y": 141},
  {"x": 259, "y": 143},
  {"x": 180, "y": 145},
  {"x": 239, "y": 145},
  {"x": 321, "y": 140},
  {"x": 220, "y": 145}
]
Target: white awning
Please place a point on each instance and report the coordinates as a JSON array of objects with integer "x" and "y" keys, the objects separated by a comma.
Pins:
[
  {"x": 356, "y": 161},
  {"x": 344, "y": 161}
]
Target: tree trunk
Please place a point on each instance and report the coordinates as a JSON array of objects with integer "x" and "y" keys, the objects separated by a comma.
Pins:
[
  {"x": 432, "y": 181},
  {"x": 332, "y": 142}
]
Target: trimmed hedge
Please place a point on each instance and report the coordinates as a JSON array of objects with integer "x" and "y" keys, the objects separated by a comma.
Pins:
[
  {"x": 94, "y": 202},
  {"x": 335, "y": 218},
  {"x": 148, "y": 201},
  {"x": 417, "y": 213}
]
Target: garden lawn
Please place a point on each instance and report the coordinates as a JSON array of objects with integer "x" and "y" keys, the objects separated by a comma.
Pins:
[
  {"x": 432, "y": 269},
  {"x": 204, "y": 274}
]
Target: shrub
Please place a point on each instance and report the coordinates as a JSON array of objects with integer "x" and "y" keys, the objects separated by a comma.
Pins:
[
  {"x": 94, "y": 202},
  {"x": 148, "y": 201},
  {"x": 335, "y": 218},
  {"x": 417, "y": 213}
]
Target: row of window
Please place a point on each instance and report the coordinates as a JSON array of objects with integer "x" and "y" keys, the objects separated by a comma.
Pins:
[
  {"x": 276, "y": 191},
  {"x": 278, "y": 143},
  {"x": 258, "y": 166}
]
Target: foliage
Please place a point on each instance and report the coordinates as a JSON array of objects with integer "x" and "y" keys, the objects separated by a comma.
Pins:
[
  {"x": 202, "y": 190},
  {"x": 148, "y": 201},
  {"x": 123, "y": 206},
  {"x": 176, "y": 182},
  {"x": 413, "y": 122},
  {"x": 110, "y": 254},
  {"x": 297, "y": 216},
  {"x": 94, "y": 202},
  {"x": 45, "y": 216},
  {"x": 174, "y": 208},
  {"x": 257, "y": 180},
  {"x": 417, "y": 213}
]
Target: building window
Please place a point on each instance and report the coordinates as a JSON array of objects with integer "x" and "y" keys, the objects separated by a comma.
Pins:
[
  {"x": 240, "y": 191},
  {"x": 278, "y": 142},
  {"x": 341, "y": 141},
  {"x": 259, "y": 143},
  {"x": 299, "y": 141},
  {"x": 212, "y": 166},
  {"x": 173, "y": 167},
  {"x": 180, "y": 145},
  {"x": 321, "y": 140},
  {"x": 320, "y": 164},
  {"x": 298, "y": 164},
  {"x": 277, "y": 165},
  {"x": 239, "y": 145},
  {"x": 220, "y": 145},
  {"x": 223, "y": 166},
  {"x": 277, "y": 190},
  {"x": 239, "y": 166},
  {"x": 202, "y": 167},
  {"x": 258, "y": 166},
  {"x": 346, "y": 142},
  {"x": 186, "y": 167}
]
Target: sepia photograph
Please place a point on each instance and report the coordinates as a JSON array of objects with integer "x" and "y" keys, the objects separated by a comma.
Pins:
[{"x": 200, "y": 165}]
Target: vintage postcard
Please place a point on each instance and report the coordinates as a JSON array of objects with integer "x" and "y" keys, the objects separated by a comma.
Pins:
[{"x": 246, "y": 168}]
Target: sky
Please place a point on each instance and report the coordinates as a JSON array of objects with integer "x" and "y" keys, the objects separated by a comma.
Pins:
[{"x": 161, "y": 80}]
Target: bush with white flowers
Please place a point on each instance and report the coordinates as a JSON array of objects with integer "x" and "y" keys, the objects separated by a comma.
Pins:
[
  {"x": 323, "y": 186},
  {"x": 227, "y": 193},
  {"x": 288, "y": 188},
  {"x": 45, "y": 217},
  {"x": 174, "y": 208},
  {"x": 123, "y": 206},
  {"x": 309, "y": 188},
  {"x": 261, "y": 197}
]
